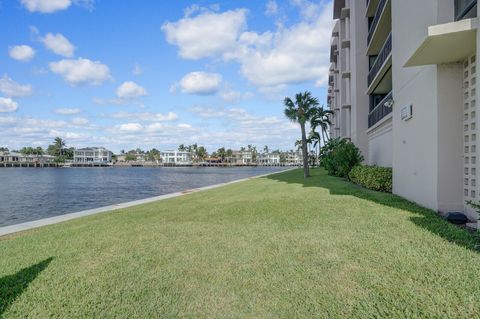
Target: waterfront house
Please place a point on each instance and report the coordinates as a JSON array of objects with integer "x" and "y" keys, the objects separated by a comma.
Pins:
[
  {"x": 90, "y": 155},
  {"x": 176, "y": 157},
  {"x": 402, "y": 84},
  {"x": 19, "y": 158},
  {"x": 293, "y": 158},
  {"x": 269, "y": 159}
]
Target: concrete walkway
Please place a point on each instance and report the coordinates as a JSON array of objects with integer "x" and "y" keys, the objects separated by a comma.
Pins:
[{"x": 61, "y": 218}]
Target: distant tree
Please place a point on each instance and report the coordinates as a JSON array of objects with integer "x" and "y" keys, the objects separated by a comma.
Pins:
[
  {"x": 4, "y": 149},
  {"x": 27, "y": 150},
  {"x": 222, "y": 153},
  {"x": 254, "y": 154},
  {"x": 68, "y": 153},
  {"x": 316, "y": 140},
  {"x": 39, "y": 151},
  {"x": 201, "y": 153},
  {"x": 59, "y": 144},
  {"x": 301, "y": 110},
  {"x": 130, "y": 157},
  {"x": 181, "y": 148},
  {"x": 265, "y": 149},
  {"x": 229, "y": 154},
  {"x": 321, "y": 119},
  {"x": 153, "y": 155}
]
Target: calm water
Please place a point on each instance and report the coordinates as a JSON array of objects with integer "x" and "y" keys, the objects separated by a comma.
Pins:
[{"x": 30, "y": 194}]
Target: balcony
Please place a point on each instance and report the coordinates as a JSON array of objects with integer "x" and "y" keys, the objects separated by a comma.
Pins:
[
  {"x": 383, "y": 59},
  {"x": 380, "y": 111},
  {"x": 446, "y": 43},
  {"x": 338, "y": 5},
  {"x": 465, "y": 9},
  {"x": 380, "y": 27}
]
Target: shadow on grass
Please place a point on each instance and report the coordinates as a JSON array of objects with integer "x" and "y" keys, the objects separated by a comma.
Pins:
[
  {"x": 424, "y": 218},
  {"x": 12, "y": 286}
]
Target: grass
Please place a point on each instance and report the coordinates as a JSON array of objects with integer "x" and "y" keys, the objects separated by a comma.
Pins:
[{"x": 273, "y": 247}]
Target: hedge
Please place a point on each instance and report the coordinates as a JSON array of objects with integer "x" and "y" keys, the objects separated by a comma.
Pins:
[
  {"x": 339, "y": 156},
  {"x": 372, "y": 177}
]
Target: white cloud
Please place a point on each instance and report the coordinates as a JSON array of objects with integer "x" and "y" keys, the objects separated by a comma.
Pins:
[
  {"x": 207, "y": 34},
  {"x": 270, "y": 60},
  {"x": 130, "y": 127},
  {"x": 58, "y": 44},
  {"x": 46, "y": 6},
  {"x": 7, "y": 105},
  {"x": 271, "y": 8},
  {"x": 80, "y": 121},
  {"x": 309, "y": 10},
  {"x": 23, "y": 53},
  {"x": 231, "y": 96},
  {"x": 81, "y": 71},
  {"x": 146, "y": 116},
  {"x": 10, "y": 88},
  {"x": 200, "y": 83},
  {"x": 291, "y": 55},
  {"x": 130, "y": 90},
  {"x": 67, "y": 111},
  {"x": 51, "y": 6}
]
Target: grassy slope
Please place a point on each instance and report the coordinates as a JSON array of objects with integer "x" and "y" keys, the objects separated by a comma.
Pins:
[{"x": 269, "y": 247}]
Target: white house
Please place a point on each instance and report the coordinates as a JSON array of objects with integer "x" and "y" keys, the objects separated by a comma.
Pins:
[
  {"x": 14, "y": 157},
  {"x": 92, "y": 155},
  {"x": 176, "y": 157},
  {"x": 269, "y": 159}
]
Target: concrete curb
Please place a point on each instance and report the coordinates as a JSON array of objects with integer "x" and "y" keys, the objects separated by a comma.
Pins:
[{"x": 62, "y": 218}]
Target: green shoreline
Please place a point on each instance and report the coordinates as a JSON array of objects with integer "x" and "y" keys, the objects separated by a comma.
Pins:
[{"x": 276, "y": 246}]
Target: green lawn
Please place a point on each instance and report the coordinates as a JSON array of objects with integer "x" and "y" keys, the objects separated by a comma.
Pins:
[{"x": 266, "y": 248}]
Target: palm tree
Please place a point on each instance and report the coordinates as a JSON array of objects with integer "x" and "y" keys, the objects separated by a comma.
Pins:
[
  {"x": 321, "y": 118},
  {"x": 300, "y": 111},
  {"x": 266, "y": 149},
  {"x": 222, "y": 153},
  {"x": 316, "y": 139},
  {"x": 181, "y": 148},
  {"x": 201, "y": 152},
  {"x": 59, "y": 144}
]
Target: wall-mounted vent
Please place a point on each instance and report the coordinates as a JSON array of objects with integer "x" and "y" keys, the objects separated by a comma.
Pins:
[{"x": 407, "y": 113}]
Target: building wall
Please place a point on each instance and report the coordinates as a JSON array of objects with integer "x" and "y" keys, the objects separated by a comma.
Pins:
[
  {"x": 415, "y": 142},
  {"x": 450, "y": 137},
  {"x": 380, "y": 144},
  {"x": 360, "y": 101}
]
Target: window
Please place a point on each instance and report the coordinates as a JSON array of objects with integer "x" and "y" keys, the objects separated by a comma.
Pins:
[{"x": 465, "y": 9}]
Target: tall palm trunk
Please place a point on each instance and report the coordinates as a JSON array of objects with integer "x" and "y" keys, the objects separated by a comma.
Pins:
[
  {"x": 324, "y": 132},
  {"x": 306, "y": 170}
]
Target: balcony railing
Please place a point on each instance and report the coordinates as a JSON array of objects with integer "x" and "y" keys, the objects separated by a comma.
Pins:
[
  {"x": 465, "y": 9},
  {"x": 381, "y": 58},
  {"x": 381, "y": 110},
  {"x": 376, "y": 19}
]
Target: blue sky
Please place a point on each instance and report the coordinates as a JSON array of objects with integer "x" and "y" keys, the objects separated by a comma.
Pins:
[{"x": 127, "y": 74}]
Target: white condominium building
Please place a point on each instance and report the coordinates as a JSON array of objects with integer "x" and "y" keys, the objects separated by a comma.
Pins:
[
  {"x": 92, "y": 155},
  {"x": 176, "y": 157},
  {"x": 403, "y": 86}
]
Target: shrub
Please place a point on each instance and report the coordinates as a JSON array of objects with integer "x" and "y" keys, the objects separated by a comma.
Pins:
[
  {"x": 339, "y": 156},
  {"x": 372, "y": 177}
]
